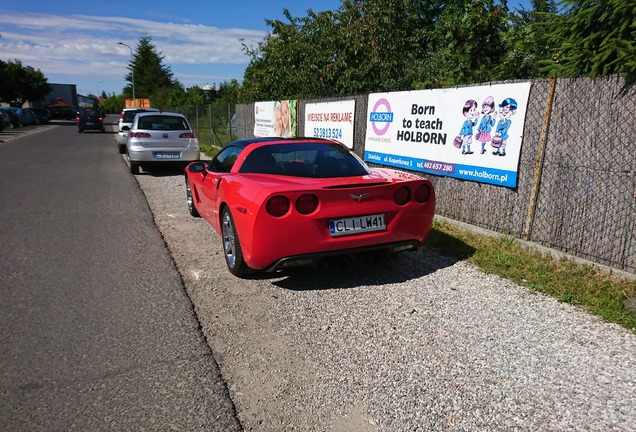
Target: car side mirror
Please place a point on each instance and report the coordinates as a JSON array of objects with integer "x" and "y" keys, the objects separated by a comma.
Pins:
[
  {"x": 196, "y": 167},
  {"x": 125, "y": 128}
]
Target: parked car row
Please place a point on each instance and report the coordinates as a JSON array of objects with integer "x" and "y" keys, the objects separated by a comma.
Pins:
[
  {"x": 150, "y": 137},
  {"x": 13, "y": 117},
  {"x": 280, "y": 203}
]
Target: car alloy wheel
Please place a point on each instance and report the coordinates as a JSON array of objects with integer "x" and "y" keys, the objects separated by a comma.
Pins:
[
  {"x": 190, "y": 200},
  {"x": 232, "y": 246}
]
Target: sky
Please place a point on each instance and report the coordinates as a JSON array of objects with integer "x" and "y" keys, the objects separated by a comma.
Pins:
[{"x": 76, "y": 41}]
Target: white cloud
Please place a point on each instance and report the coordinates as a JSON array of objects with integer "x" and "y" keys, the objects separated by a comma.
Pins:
[{"x": 82, "y": 45}]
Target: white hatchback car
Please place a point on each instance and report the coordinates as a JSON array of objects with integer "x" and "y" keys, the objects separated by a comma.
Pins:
[
  {"x": 125, "y": 119},
  {"x": 159, "y": 138}
]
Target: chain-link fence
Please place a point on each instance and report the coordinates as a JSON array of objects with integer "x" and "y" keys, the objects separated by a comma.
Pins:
[
  {"x": 215, "y": 123},
  {"x": 576, "y": 189}
]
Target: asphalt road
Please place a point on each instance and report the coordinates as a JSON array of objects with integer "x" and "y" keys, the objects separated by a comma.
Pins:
[{"x": 98, "y": 332}]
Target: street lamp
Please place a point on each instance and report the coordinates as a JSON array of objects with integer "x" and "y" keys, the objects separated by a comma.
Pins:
[{"x": 132, "y": 71}]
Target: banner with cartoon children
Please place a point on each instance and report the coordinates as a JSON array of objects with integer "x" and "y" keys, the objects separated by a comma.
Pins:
[
  {"x": 471, "y": 133},
  {"x": 275, "y": 118}
]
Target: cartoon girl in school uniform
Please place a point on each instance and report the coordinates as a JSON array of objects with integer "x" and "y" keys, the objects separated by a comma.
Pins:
[
  {"x": 466, "y": 133},
  {"x": 507, "y": 109},
  {"x": 487, "y": 122}
]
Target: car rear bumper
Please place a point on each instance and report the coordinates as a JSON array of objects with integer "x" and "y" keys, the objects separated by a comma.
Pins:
[
  {"x": 314, "y": 259},
  {"x": 150, "y": 155},
  {"x": 95, "y": 126}
]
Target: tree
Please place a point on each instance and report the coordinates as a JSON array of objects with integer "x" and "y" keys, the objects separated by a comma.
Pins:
[
  {"x": 114, "y": 103},
  {"x": 19, "y": 84},
  {"x": 593, "y": 37},
  {"x": 378, "y": 45},
  {"x": 346, "y": 51},
  {"x": 527, "y": 43},
  {"x": 153, "y": 80},
  {"x": 469, "y": 43},
  {"x": 229, "y": 91}
]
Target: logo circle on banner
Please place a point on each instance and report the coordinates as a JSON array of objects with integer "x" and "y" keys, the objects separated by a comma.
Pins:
[{"x": 382, "y": 103}]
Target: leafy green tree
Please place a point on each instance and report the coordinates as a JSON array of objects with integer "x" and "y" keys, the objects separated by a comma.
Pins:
[
  {"x": 472, "y": 48},
  {"x": 19, "y": 83},
  {"x": 346, "y": 51},
  {"x": 178, "y": 96},
  {"x": 229, "y": 91},
  {"x": 378, "y": 45},
  {"x": 195, "y": 95},
  {"x": 593, "y": 37},
  {"x": 114, "y": 104}
]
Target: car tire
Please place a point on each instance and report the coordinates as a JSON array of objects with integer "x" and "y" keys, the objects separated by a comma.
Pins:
[
  {"x": 232, "y": 246},
  {"x": 80, "y": 131},
  {"x": 192, "y": 208},
  {"x": 122, "y": 148},
  {"x": 134, "y": 167}
]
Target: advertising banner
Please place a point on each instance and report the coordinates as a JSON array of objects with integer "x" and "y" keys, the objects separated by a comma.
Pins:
[
  {"x": 275, "y": 119},
  {"x": 332, "y": 120},
  {"x": 470, "y": 133}
]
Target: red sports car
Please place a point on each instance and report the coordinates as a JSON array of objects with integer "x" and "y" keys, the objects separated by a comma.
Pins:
[{"x": 279, "y": 203}]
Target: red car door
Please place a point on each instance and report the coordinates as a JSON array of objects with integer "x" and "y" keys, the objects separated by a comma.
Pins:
[{"x": 208, "y": 196}]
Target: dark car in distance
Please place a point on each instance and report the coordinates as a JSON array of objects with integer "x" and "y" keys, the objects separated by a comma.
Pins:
[
  {"x": 43, "y": 115},
  {"x": 90, "y": 119}
]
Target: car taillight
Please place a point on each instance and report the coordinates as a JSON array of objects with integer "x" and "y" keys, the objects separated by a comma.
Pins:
[
  {"x": 277, "y": 206},
  {"x": 140, "y": 135},
  {"x": 77, "y": 118},
  {"x": 422, "y": 193},
  {"x": 307, "y": 204},
  {"x": 402, "y": 195},
  {"x": 188, "y": 135},
  {"x": 101, "y": 118}
]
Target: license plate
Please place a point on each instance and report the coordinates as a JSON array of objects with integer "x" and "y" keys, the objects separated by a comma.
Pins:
[
  {"x": 360, "y": 224},
  {"x": 166, "y": 155}
]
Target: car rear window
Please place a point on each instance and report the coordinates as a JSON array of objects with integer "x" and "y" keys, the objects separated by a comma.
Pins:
[
  {"x": 162, "y": 123},
  {"x": 129, "y": 115},
  {"x": 317, "y": 160}
]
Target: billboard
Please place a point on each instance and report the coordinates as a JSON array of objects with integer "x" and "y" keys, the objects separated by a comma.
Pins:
[
  {"x": 332, "y": 120},
  {"x": 470, "y": 133},
  {"x": 275, "y": 118}
]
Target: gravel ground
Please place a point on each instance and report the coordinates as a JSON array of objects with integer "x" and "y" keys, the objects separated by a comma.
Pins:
[{"x": 417, "y": 343}]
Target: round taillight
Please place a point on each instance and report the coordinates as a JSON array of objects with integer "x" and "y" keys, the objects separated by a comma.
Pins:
[
  {"x": 402, "y": 195},
  {"x": 422, "y": 193},
  {"x": 278, "y": 206},
  {"x": 307, "y": 204}
]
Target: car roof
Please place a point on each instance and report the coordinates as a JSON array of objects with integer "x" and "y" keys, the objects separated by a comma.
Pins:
[
  {"x": 155, "y": 113},
  {"x": 249, "y": 141},
  {"x": 140, "y": 109}
]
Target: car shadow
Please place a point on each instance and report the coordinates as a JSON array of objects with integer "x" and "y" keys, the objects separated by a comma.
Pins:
[
  {"x": 170, "y": 170},
  {"x": 347, "y": 272}
]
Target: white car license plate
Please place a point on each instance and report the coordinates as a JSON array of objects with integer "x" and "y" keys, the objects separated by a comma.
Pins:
[
  {"x": 166, "y": 155},
  {"x": 370, "y": 223}
]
